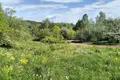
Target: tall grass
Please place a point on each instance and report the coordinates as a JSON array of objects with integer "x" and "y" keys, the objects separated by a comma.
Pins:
[{"x": 40, "y": 61}]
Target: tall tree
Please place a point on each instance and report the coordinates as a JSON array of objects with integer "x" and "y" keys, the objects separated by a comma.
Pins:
[
  {"x": 3, "y": 22},
  {"x": 46, "y": 23},
  {"x": 101, "y": 18},
  {"x": 9, "y": 13},
  {"x": 81, "y": 24},
  {"x": 85, "y": 19}
]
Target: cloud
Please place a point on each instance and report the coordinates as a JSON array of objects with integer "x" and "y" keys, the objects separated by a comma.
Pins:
[
  {"x": 71, "y": 15},
  {"x": 9, "y": 2},
  {"x": 63, "y": 1},
  {"x": 110, "y": 8},
  {"x": 52, "y": 16},
  {"x": 42, "y": 6}
]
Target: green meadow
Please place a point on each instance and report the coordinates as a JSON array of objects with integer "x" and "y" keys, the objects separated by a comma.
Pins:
[{"x": 41, "y": 61}]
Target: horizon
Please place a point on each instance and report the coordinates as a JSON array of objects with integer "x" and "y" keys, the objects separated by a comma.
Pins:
[{"x": 67, "y": 11}]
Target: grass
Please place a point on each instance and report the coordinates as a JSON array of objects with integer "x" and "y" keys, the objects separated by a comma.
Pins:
[{"x": 40, "y": 61}]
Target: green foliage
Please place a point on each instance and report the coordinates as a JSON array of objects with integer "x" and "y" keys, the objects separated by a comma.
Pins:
[
  {"x": 83, "y": 23},
  {"x": 103, "y": 30},
  {"x": 51, "y": 39},
  {"x": 64, "y": 33},
  {"x": 3, "y": 22},
  {"x": 56, "y": 29},
  {"x": 4, "y": 29},
  {"x": 12, "y": 28},
  {"x": 45, "y": 24},
  {"x": 71, "y": 34},
  {"x": 85, "y": 20},
  {"x": 79, "y": 25},
  {"x": 9, "y": 16},
  {"x": 101, "y": 18},
  {"x": 68, "y": 33},
  {"x": 42, "y": 34},
  {"x": 113, "y": 37},
  {"x": 55, "y": 36},
  {"x": 27, "y": 60},
  {"x": 5, "y": 41},
  {"x": 83, "y": 36},
  {"x": 39, "y": 61}
]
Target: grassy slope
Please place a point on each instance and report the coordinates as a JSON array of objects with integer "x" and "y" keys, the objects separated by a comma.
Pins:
[{"x": 39, "y": 61}]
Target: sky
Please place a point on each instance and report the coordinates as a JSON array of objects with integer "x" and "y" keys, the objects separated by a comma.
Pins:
[{"x": 68, "y": 11}]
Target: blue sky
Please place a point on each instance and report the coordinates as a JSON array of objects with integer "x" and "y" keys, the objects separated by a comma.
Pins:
[{"x": 62, "y": 10}]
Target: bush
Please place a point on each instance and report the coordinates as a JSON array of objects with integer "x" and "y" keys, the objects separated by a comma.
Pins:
[
  {"x": 83, "y": 36},
  {"x": 113, "y": 37},
  {"x": 42, "y": 34},
  {"x": 51, "y": 39},
  {"x": 68, "y": 33},
  {"x": 5, "y": 41}
]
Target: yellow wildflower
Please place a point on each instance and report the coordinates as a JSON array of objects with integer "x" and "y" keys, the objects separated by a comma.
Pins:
[
  {"x": 12, "y": 58},
  {"x": 23, "y": 61},
  {"x": 91, "y": 52},
  {"x": 10, "y": 68},
  {"x": 7, "y": 69},
  {"x": 44, "y": 60}
]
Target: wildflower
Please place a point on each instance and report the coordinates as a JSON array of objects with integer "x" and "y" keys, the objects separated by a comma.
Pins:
[
  {"x": 26, "y": 55},
  {"x": 7, "y": 69},
  {"x": 10, "y": 68},
  {"x": 67, "y": 77},
  {"x": 23, "y": 61},
  {"x": 12, "y": 58},
  {"x": 91, "y": 52},
  {"x": 44, "y": 60}
]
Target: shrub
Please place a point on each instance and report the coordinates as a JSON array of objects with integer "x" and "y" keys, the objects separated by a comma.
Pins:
[
  {"x": 83, "y": 36},
  {"x": 42, "y": 34},
  {"x": 51, "y": 39},
  {"x": 68, "y": 33},
  {"x": 5, "y": 41},
  {"x": 113, "y": 37}
]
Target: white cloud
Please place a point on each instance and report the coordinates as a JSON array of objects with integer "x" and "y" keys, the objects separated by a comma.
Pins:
[
  {"x": 28, "y": 7},
  {"x": 111, "y": 9},
  {"x": 52, "y": 16},
  {"x": 10, "y": 2},
  {"x": 63, "y": 1}
]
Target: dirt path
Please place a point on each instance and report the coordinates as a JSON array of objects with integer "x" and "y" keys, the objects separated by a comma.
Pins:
[{"x": 91, "y": 45}]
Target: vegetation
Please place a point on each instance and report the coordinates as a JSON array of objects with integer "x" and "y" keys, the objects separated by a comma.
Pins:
[
  {"x": 32, "y": 50},
  {"x": 104, "y": 29},
  {"x": 41, "y": 61}
]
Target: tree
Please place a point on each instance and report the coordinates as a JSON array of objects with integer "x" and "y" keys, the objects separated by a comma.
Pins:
[
  {"x": 9, "y": 13},
  {"x": 3, "y": 22},
  {"x": 81, "y": 24},
  {"x": 45, "y": 23},
  {"x": 56, "y": 30},
  {"x": 4, "y": 30},
  {"x": 85, "y": 19},
  {"x": 42, "y": 34},
  {"x": 101, "y": 18},
  {"x": 65, "y": 33}
]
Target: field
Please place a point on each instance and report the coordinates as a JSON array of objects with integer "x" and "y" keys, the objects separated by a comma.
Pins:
[{"x": 41, "y": 61}]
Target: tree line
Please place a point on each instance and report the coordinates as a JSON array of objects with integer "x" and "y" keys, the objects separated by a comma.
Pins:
[{"x": 103, "y": 30}]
